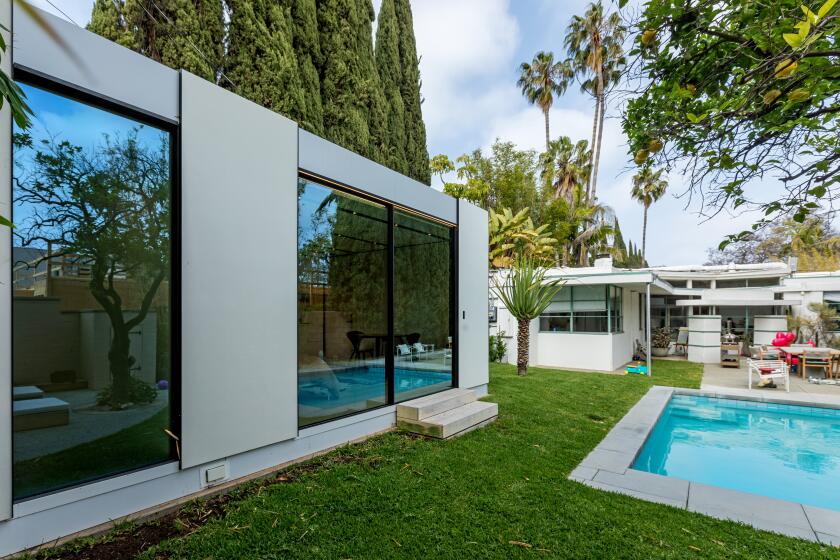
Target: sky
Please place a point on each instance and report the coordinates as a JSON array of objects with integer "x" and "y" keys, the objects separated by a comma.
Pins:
[{"x": 470, "y": 54}]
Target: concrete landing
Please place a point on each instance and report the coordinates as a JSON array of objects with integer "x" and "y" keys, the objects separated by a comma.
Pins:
[{"x": 446, "y": 414}]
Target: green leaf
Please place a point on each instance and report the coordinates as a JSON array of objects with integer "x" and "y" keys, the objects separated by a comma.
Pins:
[
  {"x": 809, "y": 14},
  {"x": 4, "y": 221},
  {"x": 825, "y": 8},
  {"x": 819, "y": 191},
  {"x": 792, "y": 39}
]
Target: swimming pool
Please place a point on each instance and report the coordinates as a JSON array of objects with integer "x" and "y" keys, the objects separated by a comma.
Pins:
[{"x": 789, "y": 452}]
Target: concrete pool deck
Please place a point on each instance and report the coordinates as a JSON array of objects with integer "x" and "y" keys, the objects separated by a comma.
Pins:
[{"x": 607, "y": 467}]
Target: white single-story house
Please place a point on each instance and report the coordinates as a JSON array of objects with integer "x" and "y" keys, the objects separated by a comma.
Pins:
[
  {"x": 197, "y": 291},
  {"x": 603, "y": 312}
]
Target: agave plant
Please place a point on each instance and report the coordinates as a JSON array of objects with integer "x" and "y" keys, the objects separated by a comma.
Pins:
[
  {"x": 526, "y": 293},
  {"x": 512, "y": 234}
]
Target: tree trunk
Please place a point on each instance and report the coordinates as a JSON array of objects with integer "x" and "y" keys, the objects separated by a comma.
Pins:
[
  {"x": 644, "y": 236},
  {"x": 547, "y": 135},
  {"x": 597, "y": 148},
  {"x": 120, "y": 366},
  {"x": 522, "y": 347},
  {"x": 592, "y": 144}
]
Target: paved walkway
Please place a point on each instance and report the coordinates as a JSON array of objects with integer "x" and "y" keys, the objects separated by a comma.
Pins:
[{"x": 715, "y": 376}]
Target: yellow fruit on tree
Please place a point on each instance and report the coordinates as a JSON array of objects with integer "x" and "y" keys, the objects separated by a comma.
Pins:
[
  {"x": 654, "y": 146},
  {"x": 641, "y": 156},
  {"x": 691, "y": 88},
  {"x": 648, "y": 37},
  {"x": 771, "y": 96},
  {"x": 798, "y": 95},
  {"x": 785, "y": 68}
]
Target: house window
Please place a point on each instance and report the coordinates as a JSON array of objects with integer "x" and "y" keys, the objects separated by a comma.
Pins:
[
  {"x": 343, "y": 330},
  {"x": 423, "y": 313},
  {"x": 742, "y": 283},
  {"x": 678, "y": 283},
  {"x": 91, "y": 267},
  {"x": 375, "y": 307},
  {"x": 762, "y": 282},
  {"x": 701, "y": 284},
  {"x": 584, "y": 309}
]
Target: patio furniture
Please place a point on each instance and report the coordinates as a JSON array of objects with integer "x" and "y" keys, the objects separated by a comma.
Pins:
[
  {"x": 682, "y": 341},
  {"x": 358, "y": 352},
  {"x": 730, "y": 354},
  {"x": 404, "y": 352},
  {"x": 816, "y": 359},
  {"x": 34, "y": 414},
  {"x": 421, "y": 349},
  {"x": 767, "y": 369},
  {"x": 26, "y": 392},
  {"x": 770, "y": 353}
]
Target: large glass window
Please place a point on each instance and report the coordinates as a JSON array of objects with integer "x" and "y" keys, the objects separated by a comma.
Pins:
[
  {"x": 342, "y": 303},
  {"x": 91, "y": 270},
  {"x": 584, "y": 309},
  {"x": 375, "y": 304},
  {"x": 422, "y": 306}
]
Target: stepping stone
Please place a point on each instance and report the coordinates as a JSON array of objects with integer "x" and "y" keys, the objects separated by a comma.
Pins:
[
  {"x": 26, "y": 392},
  {"x": 34, "y": 414},
  {"x": 430, "y": 405},
  {"x": 453, "y": 422}
]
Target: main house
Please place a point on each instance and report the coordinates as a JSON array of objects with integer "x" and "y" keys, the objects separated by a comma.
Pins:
[
  {"x": 603, "y": 313},
  {"x": 197, "y": 291}
]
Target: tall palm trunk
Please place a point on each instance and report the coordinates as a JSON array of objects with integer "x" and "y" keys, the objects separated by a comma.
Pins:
[
  {"x": 597, "y": 147},
  {"x": 644, "y": 234},
  {"x": 547, "y": 135},
  {"x": 592, "y": 144},
  {"x": 522, "y": 346}
]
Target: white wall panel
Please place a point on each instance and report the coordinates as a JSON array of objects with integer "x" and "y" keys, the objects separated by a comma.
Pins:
[
  {"x": 99, "y": 67},
  {"x": 473, "y": 328},
  {"x": 239, "y": 304},
  {"x": 6, "y": 283}
]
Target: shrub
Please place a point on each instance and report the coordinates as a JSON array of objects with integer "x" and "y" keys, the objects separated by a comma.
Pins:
[
  {"x": 498, "y": 347},
  {"x": 140, "y": 392},
  {"x": 660, "y": 338}
]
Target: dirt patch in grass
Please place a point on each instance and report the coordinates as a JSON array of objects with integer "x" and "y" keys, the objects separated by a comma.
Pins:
[{"x": 132, "y": 540}]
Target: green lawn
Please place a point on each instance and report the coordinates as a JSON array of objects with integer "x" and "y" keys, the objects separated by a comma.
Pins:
[{"x": 499, "y": 492}]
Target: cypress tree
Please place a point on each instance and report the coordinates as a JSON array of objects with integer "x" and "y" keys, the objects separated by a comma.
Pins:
[
  {"x": 307, "y": 49},
  {"x": 107, "y": 20},
  {"x": 186, "y": 34},
  {"x": 261, "y": 62},
  {"x": 416, "y": 150},
  {"x": 391, "y": 77},
  {"x": 342, "y": 78},
  {"x": 379, "y": 143}
]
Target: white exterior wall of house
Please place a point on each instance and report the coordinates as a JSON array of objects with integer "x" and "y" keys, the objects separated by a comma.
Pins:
[{"x": 239, "y": 356}]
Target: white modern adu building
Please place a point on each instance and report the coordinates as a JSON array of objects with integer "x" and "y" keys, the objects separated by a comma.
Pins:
[
  {"x": 197, "y": 291},
  {"x": 602, "y": 313}
]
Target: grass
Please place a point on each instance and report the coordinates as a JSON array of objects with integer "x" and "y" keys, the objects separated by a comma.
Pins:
[
  {"x": 499, "y": 492},
  {"x": 144, "y": 443}
]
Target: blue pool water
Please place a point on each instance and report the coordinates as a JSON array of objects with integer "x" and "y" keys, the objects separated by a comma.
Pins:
[
  {"x": 782, "y": 451},
  {"x": 337, "y": 388}
]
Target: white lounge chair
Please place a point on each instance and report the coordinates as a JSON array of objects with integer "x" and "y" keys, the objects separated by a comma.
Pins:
[
  {"x": 768, "y": 369},
  {"x": 682, "y": 341},
  {"x": 421, "y": 349},
  {"x": 404, "y": 352}
]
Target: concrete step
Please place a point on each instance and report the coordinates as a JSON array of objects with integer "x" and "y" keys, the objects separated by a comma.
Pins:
[
  {"x": 453, "y": 422},
  {"x": 424, "y": 407}
]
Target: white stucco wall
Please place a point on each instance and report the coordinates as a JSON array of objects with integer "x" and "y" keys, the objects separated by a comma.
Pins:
[{"x": 6, "y": 282}]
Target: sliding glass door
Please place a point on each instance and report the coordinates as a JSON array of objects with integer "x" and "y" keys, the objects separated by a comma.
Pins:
[
  {"x": 422, "y": 306},
  {"x": 375, "y": 304}
]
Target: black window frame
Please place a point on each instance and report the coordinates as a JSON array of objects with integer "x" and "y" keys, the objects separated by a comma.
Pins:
[
  {"x": 391, "y": 207},
  {"x": 173, "y": 128}
]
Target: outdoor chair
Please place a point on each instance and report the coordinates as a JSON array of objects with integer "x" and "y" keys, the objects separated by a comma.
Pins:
[
  {"x": 770, "y": 353},
  {"x": 421, "y": 349},
  {"x": 358, "y": 352},
  {"x": 815, "y": 359},
  {"x": 682, "y": 341},
  {"x": 404, "y": 352},
  {"x": 767, "y": 369}
]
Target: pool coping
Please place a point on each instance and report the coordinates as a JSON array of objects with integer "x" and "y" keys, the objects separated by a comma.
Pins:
[{"x": 607, "y": 467}]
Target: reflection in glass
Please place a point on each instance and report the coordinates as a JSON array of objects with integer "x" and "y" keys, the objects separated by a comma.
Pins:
[
  {"x": 422, "y": 313},
  {"x": 91, "y": 269},
  {"x": 342, "y": 303}
]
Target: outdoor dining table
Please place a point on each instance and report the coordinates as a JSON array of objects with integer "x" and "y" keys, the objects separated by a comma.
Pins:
[{"x": 799, "y": 350}]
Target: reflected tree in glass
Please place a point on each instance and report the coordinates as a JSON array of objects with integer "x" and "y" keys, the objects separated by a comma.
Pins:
[{"x": 107, "y": 209}]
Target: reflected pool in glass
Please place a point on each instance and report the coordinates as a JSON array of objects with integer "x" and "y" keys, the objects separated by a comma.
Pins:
[{"x": 788, "y": 452}]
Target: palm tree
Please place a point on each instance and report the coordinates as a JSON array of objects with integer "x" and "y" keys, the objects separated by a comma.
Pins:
[
  {"x": 648, "y": 187},
  {"x": 593, "y": 42},
  {"x": 511, "y": 234},
  {"x": 541, "y": 80},
  {"x": 565, "y": 165},
  {"x": 579, "y": 225},
  {"x": 526, "y": 293}
]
